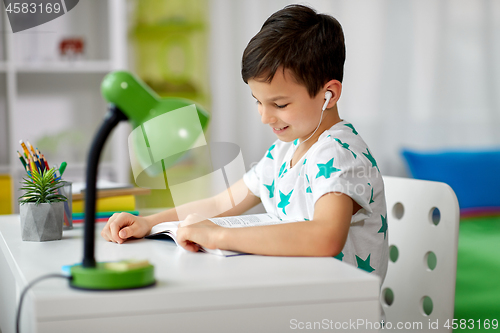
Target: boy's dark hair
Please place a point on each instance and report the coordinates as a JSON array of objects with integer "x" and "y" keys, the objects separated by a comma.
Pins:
[{"x": 311, "y": 45}]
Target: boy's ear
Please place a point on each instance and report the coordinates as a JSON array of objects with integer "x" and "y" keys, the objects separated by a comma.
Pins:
[{"x": 335, "y": 87}]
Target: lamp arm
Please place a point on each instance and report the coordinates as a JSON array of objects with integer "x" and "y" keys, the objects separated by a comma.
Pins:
[{"x": 112, "y": 118}]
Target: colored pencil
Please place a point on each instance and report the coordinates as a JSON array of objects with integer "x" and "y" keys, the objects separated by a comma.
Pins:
[
  {"x": 37, "y": 163},
  {"x": 45, "y": 162},
  {"x": 21, "y": 158},
  {"x": 41, "y": 162},
  {"x": 31, "y": 164},
  {"x": 62, "y": 167},
  {"x": 26, "y": 151},
  {"x": 31, "y": 148}
]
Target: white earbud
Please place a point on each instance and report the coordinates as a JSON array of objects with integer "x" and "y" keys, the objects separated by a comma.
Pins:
[{"x": 328, "y": 97}]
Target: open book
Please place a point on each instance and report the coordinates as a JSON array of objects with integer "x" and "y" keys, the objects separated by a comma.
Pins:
[{"x": 170, "y": 228}]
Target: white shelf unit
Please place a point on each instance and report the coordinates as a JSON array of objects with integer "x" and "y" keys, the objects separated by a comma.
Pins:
[{"x": 55, "y": 103}]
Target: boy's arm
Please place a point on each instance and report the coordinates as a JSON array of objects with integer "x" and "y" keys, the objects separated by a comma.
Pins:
[
  {"x": 123, "y": 225},
  {"x": 215, "y": 206},
  {"x": 324, "y": 235}
]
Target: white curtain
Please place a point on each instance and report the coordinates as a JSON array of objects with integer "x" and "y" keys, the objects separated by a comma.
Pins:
[{"x": 422, "y": 74}]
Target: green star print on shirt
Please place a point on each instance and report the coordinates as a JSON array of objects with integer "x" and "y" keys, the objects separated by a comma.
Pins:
[
  {"x": 371, "y": 196},
  {"x": 271, "y": 189},
  {"x": 269, "y": 152},
  {"x": 345, "y": 146},
  {"x": 371, "y": 159},
  {"x": 365, "y": 264},
  {"x": 326, "y": 169},
  {"x": 283, "y": 166},
  {"x": 284, "y": 200},
  {"x": 384, "y": 225},
  {"x": 352, "y": 128}
]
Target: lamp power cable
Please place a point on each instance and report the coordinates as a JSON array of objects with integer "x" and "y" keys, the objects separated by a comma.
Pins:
[{"x": 27, "y": 288}]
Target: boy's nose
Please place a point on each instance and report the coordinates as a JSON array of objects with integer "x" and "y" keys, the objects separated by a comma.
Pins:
[{"x": 266, "y": 117}]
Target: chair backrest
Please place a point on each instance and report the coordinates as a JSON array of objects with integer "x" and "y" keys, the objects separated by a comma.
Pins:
[{"x": 419, "y": 288}]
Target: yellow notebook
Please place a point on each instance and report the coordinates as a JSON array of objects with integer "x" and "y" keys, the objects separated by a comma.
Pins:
[
  {"x": 5, "y": 194},
  {"x": 109, "y": 204}
]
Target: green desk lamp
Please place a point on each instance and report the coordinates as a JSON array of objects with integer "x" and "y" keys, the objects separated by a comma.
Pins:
[{"x": 163, "y": 129}]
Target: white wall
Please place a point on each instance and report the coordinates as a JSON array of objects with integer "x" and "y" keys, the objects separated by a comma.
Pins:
[{"x": 422, "y": 74}]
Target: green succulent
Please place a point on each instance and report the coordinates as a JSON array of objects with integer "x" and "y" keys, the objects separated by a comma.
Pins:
[{"x": 42, "y": 188}]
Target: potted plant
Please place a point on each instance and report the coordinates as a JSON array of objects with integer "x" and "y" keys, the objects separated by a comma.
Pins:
[{"x": 41, "y": 207}]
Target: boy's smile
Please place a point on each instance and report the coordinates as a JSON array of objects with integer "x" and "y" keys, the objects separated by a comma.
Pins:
[{"x": 285, "y": 105}]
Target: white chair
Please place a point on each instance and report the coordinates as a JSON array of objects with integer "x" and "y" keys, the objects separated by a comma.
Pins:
[{"x": 422, "y": 218}]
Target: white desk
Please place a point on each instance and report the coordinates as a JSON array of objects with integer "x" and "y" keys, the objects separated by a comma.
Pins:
[{"x": 195, "y": 292}]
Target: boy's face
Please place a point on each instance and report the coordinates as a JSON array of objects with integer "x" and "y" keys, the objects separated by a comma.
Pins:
[{"x": 286, "y": 106}]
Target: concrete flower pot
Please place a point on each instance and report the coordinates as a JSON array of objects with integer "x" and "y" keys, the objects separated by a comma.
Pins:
[{"x": 42, "y": 222}]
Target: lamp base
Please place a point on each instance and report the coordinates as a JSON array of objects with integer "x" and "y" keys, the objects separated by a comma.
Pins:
[{"x": 113, "y": 276}]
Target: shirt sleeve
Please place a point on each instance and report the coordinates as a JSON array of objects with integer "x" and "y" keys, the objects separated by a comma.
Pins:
[
  {"x": 254, "y": 177},
  {"x": 335, "y": 168}
]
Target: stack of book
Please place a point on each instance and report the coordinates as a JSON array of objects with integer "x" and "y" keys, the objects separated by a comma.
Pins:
[{"x": 111, "y": 198}]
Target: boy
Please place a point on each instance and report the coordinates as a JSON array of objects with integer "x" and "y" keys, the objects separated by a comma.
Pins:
[{"x": 319, "y": 171}]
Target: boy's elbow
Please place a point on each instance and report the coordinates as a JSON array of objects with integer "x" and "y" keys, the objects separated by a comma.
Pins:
[
  {"x": 329, "y": 241},
  {"x": 329, "y": 250},
  {"x": 336, "y": 250},
  {"x": 329, "y": 247}
]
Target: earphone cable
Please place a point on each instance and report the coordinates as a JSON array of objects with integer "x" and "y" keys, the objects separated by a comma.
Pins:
[
  {"x": 328, "y": 96},
  {"x": 320, "y": 120}
]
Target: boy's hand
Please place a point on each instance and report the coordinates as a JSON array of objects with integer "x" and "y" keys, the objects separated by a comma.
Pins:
[
  {"x": 121, "y": 226},
  {"x": 196, "y": 231}
]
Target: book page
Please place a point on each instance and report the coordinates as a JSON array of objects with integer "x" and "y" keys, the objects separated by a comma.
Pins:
[
  {"x": 246, "y": 220},
  {"x": 165, "y": 227}
]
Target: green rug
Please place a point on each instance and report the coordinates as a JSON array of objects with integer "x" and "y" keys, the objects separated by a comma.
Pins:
[{"x": 477, "y": 295}]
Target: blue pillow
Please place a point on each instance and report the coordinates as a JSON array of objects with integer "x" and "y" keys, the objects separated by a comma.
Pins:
[{"x": 473, "y": 175}]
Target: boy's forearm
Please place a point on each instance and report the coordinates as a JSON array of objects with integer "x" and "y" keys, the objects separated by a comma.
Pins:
[
  {"x": 215, "y": 206},
  {"x": 307, "y": 238},
  {"x": 164, "y": 216},
  {"x": 204, "y": 207}
]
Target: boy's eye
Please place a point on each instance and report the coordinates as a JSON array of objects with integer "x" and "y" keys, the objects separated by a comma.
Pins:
[{"x": 281, "y": 106}]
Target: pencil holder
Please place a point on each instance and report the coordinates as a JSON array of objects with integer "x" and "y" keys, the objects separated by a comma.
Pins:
[
  {"x": 66, "y": 190},
  {"x": 41, "y": 222}
]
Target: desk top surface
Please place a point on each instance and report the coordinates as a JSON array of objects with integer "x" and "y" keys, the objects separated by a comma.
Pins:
[{"x": 184, "y": 279}]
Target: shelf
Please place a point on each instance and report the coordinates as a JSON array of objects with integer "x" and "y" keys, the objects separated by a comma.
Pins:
[
  {"x": 97, "y": 66},
  {"x": 89, "y": 21},
  {"x": 54, "y": 101}
]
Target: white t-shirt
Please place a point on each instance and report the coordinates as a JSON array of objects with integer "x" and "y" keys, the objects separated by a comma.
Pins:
[{"x": 339, "y": 161}]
